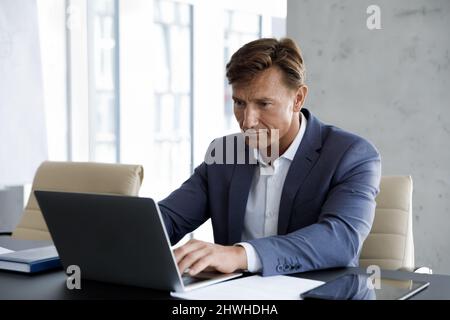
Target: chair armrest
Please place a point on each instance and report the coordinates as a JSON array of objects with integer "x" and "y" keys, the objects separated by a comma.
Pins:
[{"x": 425, "y": 270}]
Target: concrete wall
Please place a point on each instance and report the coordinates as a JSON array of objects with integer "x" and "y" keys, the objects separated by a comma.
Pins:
[{"x": 391, "y": 86}]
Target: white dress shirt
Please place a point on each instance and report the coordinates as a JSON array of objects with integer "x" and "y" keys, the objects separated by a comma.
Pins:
[{"x": 263, "y": 203}]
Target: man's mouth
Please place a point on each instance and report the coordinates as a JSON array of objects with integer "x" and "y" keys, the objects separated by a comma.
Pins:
[{"x": 256, "y": 132}]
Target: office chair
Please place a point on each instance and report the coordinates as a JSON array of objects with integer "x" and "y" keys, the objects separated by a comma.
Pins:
[
  {"x": 88, "y": 177},
  {"x": 390, "y": 243}
]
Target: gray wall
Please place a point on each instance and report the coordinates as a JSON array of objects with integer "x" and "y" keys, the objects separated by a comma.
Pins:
[
  {"x": 11, "y": 208},
  {"x": 391, "y": 86}
]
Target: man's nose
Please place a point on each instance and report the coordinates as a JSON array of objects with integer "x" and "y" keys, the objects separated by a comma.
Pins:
[{"x": 250, "y": 118}]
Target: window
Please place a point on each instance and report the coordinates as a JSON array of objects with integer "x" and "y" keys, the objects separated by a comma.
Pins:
[
  {"x": 172, "y": 95},
  {"x": 123, "y": 78},
  {"x": 103, "y": 96},
  {"x": 92, "y": 76}
]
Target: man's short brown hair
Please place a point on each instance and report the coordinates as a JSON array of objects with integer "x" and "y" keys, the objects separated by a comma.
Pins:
[{"x": 261, "y": 54}]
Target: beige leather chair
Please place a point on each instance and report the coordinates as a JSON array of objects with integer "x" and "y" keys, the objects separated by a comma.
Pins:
[
  {"x": 88, "y": 177},
  {"x": 390, "y": 242}
]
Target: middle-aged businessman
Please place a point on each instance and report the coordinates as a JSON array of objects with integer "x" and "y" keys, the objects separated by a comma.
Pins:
[{"x": 313, "y": 211}]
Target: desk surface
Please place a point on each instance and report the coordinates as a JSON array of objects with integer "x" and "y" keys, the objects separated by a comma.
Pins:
[{"x": 52, "y": 285}]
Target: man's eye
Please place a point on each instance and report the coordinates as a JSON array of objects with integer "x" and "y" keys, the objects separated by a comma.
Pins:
[
  {"x": 239, "y": 103},
  {"x": 264, "y": 104}
]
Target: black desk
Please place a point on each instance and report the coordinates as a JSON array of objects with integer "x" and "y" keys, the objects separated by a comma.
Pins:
[{"x": 52, "y": 285}]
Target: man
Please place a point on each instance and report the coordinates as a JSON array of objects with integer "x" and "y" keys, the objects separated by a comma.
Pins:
[{"x": 313, "y": 211}]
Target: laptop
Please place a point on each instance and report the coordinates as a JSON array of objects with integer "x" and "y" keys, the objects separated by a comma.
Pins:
[{"x": 117, "y": 239}]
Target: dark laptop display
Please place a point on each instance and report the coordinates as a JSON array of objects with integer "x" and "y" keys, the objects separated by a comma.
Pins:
[{"x": 119, "y": 239}]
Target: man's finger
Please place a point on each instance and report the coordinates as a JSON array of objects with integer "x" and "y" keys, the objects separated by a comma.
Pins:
[
  {"x": 192, "y": 258},
  {"x": 200, "y": 265},
  {"x": 187, "y": 248}
]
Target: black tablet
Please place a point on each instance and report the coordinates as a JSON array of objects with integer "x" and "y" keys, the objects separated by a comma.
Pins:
[{"x": 358, "y": 287}]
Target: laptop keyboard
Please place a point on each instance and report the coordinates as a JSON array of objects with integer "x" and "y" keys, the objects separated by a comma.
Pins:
[
  {"x": 187, "y": 280},
  {"x": 202, "y": 276}
]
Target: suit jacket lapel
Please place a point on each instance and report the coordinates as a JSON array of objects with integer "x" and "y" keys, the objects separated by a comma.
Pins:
[
  {"x": 237, "y": 202},
  {"x": 304, "y": 160}
]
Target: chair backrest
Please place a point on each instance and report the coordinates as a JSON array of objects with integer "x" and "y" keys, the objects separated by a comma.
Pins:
[
  {"x": 86, "y": 177},
  {"x": 390, "y": 243}
]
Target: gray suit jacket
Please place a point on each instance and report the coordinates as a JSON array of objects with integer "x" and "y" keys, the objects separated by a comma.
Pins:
[{"x": 326, "y": 209}]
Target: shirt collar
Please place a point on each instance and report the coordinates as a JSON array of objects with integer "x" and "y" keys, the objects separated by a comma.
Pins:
[
  {"x": 292, "y": 150},
  {"x": 289, "y": 154}
]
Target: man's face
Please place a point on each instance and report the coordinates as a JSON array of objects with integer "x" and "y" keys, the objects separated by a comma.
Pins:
[{"x": 267, "y": 103}]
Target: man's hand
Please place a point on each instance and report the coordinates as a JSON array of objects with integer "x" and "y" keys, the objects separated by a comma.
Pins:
[{"x": 199, "y": 255}]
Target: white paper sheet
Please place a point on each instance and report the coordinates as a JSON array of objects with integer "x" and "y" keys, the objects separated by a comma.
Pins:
[
  {"x": 4, "y": 250},
  {"x": 253, "y": 288}
]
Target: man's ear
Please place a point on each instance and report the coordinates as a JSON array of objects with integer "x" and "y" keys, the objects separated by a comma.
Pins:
[{"x": 300, "y": 97}]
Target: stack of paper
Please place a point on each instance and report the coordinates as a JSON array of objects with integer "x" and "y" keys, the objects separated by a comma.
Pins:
[
  {"x": 253, "y": 288},
  {"x": 4, "y": 250},
  {"x": 30, "y": 260}
]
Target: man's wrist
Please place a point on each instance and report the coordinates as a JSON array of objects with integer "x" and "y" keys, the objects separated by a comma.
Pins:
[
  {"x": 253, "y": 260},
  {"x": 241, "y": 257}
]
